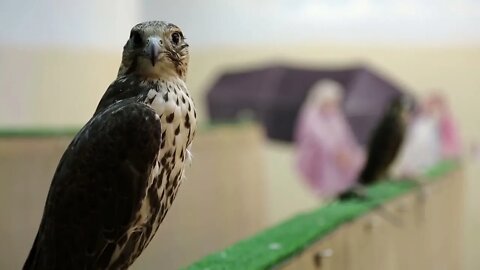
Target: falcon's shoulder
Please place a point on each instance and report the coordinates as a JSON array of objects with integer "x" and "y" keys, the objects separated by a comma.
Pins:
[
  {"x": 122, "y": 88},
  {"x": 98, "y": 187}
]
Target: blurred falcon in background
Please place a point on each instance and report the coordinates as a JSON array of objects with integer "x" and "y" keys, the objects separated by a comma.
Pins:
[
  {"x": 387, "y": 138},
  {"x": 120, "y": 174},
  {"x": 384, "y": 145}
]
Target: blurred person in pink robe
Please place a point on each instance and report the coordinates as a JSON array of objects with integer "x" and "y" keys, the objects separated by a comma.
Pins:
[
  {"x": 328, "y": 156},
  {"x": 451, "y": 145}
]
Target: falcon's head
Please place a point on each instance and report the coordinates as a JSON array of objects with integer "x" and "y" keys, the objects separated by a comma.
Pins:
[
  {"x": 155, "y": 49},
  {"x": 403, "y": 106}
]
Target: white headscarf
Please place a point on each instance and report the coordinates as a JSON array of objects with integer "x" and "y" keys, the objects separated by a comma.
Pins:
[{"x": 323, "y": 92}]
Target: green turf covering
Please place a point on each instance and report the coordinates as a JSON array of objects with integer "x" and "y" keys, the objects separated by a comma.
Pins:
[
  {"x": 274, "y": 245},
  {"x": 38, "y": 132},
  {"x": 27, "y": 132}
]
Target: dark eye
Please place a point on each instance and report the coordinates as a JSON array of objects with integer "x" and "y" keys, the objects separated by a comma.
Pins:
[
  {"x": 136, "y": 37},
  {"x": 176, "y": 38}
]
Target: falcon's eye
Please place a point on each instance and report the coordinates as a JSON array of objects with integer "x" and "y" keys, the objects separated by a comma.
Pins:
[
  {"x": 176, "y": 38},
  {"x": 136, "y": 37}
]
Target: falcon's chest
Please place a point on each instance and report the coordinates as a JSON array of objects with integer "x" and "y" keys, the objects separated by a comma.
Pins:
[
  {"x": 176, "y": 111},
  {"x": 174, "y": 107}
]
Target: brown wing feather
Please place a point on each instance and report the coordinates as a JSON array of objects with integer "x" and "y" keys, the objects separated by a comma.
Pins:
[{"x": 97, "y": 189}]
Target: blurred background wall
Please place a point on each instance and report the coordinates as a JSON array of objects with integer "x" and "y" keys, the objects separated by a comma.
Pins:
[{"x": 58, "y": 57}]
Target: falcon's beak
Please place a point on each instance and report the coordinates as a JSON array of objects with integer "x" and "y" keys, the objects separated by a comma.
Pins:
[{"x": 153, "y": 49}]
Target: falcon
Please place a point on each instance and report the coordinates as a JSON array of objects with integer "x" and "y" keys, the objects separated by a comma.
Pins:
[
  {"x": 384, "y": 144},
  {"x": 387, "y": 139},
  {"x": 120, "y": 174}
]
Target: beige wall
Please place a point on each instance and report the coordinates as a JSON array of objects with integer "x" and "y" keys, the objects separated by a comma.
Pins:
[
  {"x": 57, "y": 88},
  {"x": 39, "y": 84},
  {"x": 52, "y": 87}
]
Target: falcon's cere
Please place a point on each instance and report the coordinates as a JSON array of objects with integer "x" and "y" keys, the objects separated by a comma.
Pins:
[{"x": 120, "y": 174}]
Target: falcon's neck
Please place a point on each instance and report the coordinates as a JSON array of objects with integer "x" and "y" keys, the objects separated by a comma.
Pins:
[
  {"x": 166, "y": 70},
  {"x": 138, "y": 87},
  {"x": 161, "y": 71},
  {"x": 173, "y": 84}
]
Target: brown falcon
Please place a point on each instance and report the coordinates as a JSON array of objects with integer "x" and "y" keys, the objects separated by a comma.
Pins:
[
  {"x": 120, "y": 174},
  {"x": 384, "y": 144}
]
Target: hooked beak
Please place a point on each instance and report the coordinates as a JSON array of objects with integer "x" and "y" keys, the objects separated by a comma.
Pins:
[{"x": 153, "y": 49}]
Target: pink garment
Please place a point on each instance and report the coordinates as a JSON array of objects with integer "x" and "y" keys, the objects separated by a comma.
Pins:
[
  {"x": 328, "y": 156},
  {"x": 449, "y": 136},
  {"x": 450, "y": 139}
]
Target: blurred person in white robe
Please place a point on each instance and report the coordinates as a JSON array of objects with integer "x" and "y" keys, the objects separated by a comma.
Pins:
[{"x": 422, "y": 147}]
